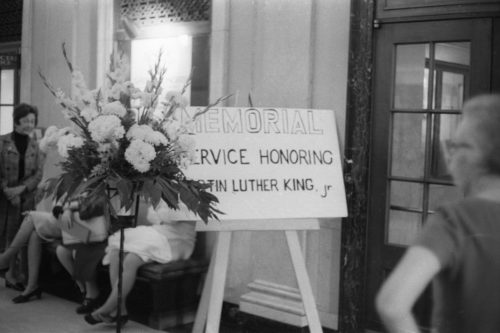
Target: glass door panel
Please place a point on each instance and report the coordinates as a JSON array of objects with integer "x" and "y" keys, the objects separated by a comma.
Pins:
[
  {"x": 408, "y": 145},
  {"x": 417, "y": 152},
  {"x": 411, "y": 76},
  {"x": 406, "y": 195},
  {"x": 403, "y": 227}
]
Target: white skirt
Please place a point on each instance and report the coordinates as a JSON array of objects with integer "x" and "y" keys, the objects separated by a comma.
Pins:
[
  {"x": 46, "y": 225},
  {"x": 144, "y": 241}
]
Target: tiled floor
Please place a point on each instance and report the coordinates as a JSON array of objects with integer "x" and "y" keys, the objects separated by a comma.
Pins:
[
  {"x": 233, "y": 321},
  {"x": 51, "y": 314}
]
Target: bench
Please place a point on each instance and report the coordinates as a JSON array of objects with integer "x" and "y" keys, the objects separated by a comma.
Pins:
[{"x": 164, "y": 295}]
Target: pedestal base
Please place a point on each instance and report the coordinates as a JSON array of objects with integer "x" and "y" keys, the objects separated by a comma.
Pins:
[
  {"x": 280, "y": 303},
  {"x": 275, "y": 302}
]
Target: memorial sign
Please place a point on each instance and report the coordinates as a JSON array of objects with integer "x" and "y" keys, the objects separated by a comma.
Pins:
[{"x": 270, "y": 163}]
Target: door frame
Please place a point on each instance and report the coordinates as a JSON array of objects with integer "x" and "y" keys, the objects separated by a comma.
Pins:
[{"x": 356, "y": 167}]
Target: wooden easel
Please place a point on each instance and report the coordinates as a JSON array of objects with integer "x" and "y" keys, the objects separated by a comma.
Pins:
[{"x": 210, "y": 307}]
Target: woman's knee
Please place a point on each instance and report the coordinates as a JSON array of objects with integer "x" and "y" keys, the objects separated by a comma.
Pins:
[
  {"x": 113, "y": 255},
  {"x": 132, "y": 262},
  {"x": 62, "y": 251}
]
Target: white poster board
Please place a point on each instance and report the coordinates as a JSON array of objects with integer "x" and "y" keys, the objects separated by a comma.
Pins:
[{"x": 270, "y": 163}]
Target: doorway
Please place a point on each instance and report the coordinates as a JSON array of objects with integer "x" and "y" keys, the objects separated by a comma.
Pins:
[{"x": 423, "y": 73}]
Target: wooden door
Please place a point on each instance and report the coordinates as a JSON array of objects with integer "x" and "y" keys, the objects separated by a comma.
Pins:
[{"x": 423, "y": 73}]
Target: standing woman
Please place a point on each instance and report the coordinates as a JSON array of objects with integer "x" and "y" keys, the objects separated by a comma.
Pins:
[
  {"x": 21, "y": 168},
  {"x": 459, "y": 246}
]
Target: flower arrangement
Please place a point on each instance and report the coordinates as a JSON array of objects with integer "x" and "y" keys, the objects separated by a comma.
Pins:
[{"x": 116, "y": 141}]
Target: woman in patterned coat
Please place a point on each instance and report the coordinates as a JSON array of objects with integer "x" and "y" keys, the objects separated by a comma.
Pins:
[{"x": 21, "y": 169}]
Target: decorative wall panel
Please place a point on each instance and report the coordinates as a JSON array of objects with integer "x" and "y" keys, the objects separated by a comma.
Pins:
[
  {"x": 151, "y": 12},
  {"x": 11, "y": 13}
]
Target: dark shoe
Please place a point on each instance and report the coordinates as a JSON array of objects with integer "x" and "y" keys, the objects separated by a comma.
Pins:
[
  {"x": 122, "y": 319},
  {"x": 26, "y": 298},
  {"x": 16, "y": 286},
  {"x": 89, "y": 318},
  {"x": 88, "y": 305},
  {"x": 97, "y": 318}
]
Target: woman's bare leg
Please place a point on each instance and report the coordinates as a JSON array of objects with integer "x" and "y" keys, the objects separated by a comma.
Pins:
[
  {"x": 34, "y": 259},
  {"x": 19, "y": 241},
  {"x": 92, "y": 289},
  {"x": 131, "y": 263},
  {"x": 8, "y": 257},
  {"x": 113, "y": 266},
  {"x": 66, "y": 259}
]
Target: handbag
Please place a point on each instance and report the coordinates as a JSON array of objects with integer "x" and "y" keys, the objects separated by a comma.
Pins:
[{"x": 92, "y": 230}]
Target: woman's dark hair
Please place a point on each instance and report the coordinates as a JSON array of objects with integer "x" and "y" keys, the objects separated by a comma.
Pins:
[{"x": 22, "y": 110}]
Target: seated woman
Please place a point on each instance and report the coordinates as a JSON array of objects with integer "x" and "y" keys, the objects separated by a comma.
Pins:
[
  {"x": 81, "y": 252},
  {"x": 35, "y": 228},
  {"x": 162, "y": 242},
  {"x": 39, "y": 226}
]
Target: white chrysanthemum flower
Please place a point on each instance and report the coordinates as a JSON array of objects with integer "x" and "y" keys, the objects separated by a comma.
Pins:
[
  {"x": 156, "y": 138},
  {"x": 146, "y": 134},
  {"x": 68, "y": 141},
  {"x": 106, "y": 128},
  {"x": 115, "y": 108},
  {"x": 140, "y": 154},
  {"x": 89, "y": 113}
]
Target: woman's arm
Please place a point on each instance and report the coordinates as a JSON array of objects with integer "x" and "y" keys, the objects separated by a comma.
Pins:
[
  {"x": 402, "y": 288},
  {"x": 31, "y": 182}
]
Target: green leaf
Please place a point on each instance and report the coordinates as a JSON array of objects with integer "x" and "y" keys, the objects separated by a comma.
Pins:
[
  {"x": 169, "y": 193},
  {"x": 152, "y": 190},
  {"x": 125, "y": 190}
]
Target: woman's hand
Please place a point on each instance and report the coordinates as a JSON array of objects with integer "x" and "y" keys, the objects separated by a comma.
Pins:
[
  {"x": 15, "y": 201},
  {"x": 13, "y": 192},
  {"x": 67, "y": 218}
]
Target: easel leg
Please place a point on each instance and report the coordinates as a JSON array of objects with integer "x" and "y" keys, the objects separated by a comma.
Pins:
[
  {"x": 210, "y": 307},
  {"x": 303, "y": 281},
  {"x": 201, "y": 314},
  {"x": 218, "y": 282}
]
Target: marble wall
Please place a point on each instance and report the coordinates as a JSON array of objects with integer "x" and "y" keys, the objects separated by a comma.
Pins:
[{"x": 289, "y": 54}]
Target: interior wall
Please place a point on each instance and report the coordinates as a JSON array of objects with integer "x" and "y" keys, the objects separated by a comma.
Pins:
[
  {"x": 47, "y": 25},
  {"x": 284, "y": 54}
]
